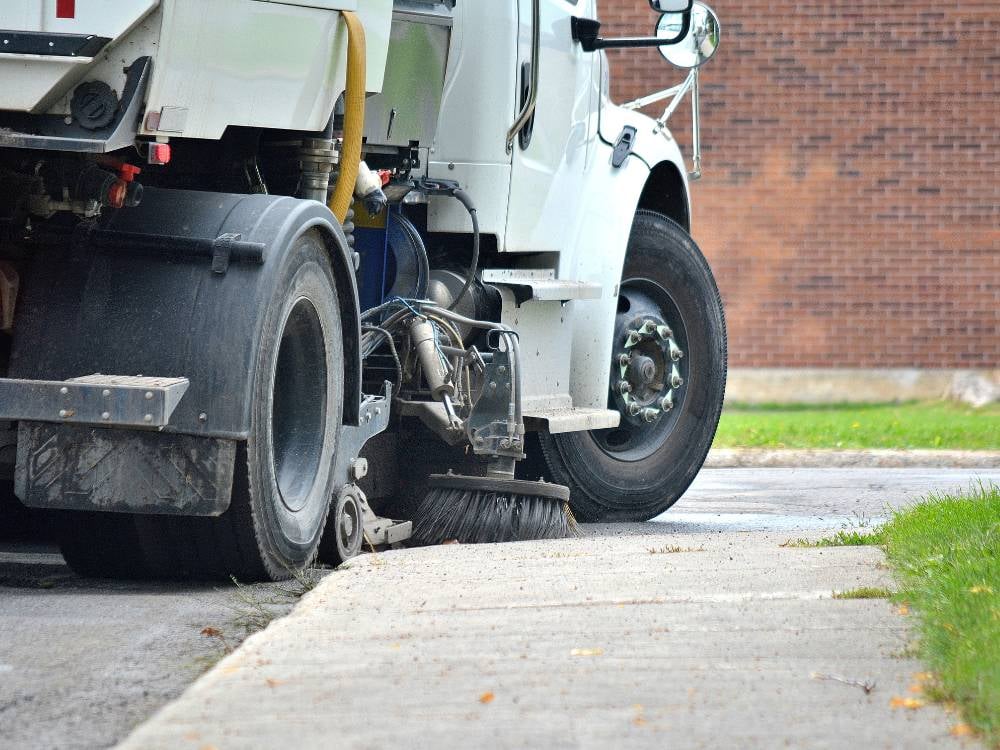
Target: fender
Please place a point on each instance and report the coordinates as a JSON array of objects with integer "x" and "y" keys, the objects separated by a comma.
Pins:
[
  {"x": 128, "y": 311},
  {"x": 662, "y": 154},
  {"x": 613, "y": 196}
]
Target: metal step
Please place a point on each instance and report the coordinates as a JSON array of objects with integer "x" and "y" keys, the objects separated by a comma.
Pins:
[
  {"x": 556, "y": 421},
  {"x": 541, "y": 285},
  {"x": 113, "y": 400}
]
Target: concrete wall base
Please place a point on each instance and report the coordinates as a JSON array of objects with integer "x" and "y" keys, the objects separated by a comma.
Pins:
[{"x": 848, "y": 385}]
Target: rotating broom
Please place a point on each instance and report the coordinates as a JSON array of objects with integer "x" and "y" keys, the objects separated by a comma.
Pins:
[{"x": 495, "y": 507}]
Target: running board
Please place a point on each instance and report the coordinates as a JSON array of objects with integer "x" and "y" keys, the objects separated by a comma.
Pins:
[
  {"x": 110, "y": 400},
  {"x": 540, "y": 285},
  {"x": 555, "y": 421}
]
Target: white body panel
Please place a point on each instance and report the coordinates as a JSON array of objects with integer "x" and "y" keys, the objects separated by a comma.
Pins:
[
  {"x": 264, "y": 63},
  {"x": 32, "y": 83},
  {"x": 546, "y": 177},
  {"x": 478, "y": 107},
  {"x": 273, "y": 65}
]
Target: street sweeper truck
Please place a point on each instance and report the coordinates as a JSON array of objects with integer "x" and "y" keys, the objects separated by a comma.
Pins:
[{"x": 282, "y": 278}]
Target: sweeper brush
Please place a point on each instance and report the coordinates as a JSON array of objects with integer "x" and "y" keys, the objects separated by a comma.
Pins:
[{"x": 473, "y": 510}]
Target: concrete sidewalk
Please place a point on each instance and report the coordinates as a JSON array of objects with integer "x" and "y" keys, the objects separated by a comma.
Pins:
[{"x": 683, "y": 633}]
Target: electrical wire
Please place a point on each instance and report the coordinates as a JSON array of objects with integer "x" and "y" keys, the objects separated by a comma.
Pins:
[
  {"x": 446, "y": 318},
  {"x": 392, "y": 348},
  {"x": 462, "y": 197}
]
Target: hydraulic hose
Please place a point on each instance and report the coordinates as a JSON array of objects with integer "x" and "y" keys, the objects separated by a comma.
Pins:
[
  {"x": 470, "y": 277},
  {"x": 354, "y": 117}
]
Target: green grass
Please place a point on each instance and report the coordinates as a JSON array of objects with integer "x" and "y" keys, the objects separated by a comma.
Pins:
[
  {"x": 937, "y": 424},
  {"x": 847, "y": 538},
  {"x": 946, "y": 554},
  {"x": 863, "y": 592}
]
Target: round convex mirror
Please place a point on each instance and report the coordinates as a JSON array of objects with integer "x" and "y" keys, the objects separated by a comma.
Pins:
[{"x": 700, "y": 42}]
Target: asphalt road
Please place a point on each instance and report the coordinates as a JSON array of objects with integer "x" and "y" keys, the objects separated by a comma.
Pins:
[{"x": 82, "y": 663}]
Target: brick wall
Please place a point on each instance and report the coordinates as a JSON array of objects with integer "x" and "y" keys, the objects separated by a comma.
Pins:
[{"x": 851, "y": 198}]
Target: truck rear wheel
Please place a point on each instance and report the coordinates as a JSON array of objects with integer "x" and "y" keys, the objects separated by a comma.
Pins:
[
  {"x": 668, "y": 378},
  {"x": 99, "y": 545},
  {"x": 284, "y": 473}
]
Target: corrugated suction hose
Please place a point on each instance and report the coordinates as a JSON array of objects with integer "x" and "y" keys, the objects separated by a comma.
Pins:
[{"x": 354, "y": 117}]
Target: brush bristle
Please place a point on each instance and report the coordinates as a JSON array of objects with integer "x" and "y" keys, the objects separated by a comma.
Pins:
[{"x": 476, "y": 516}]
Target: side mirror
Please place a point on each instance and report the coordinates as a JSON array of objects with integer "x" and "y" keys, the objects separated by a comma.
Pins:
[
  {"x": 690, "y": 40},
  {"x": 671, "y": 6}
]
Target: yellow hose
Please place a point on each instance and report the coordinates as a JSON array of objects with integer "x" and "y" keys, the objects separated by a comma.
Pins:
[{"x": 354, "y": 117}]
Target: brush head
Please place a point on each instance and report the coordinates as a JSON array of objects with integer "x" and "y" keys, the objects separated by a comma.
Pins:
[{"x": 474, "y": 510}]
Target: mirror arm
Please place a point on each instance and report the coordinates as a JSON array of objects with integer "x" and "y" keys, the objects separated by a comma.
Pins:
[
  {"x": 587, "y": 31},
  {"x": 681, "y": 92},
  {"x": 695, "y": 173},
  {"x": 691, "y": 83},
  {"x": 659, "y": 96}
]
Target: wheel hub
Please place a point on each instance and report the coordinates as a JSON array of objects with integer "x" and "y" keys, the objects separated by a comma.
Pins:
[
  {"x": 648, "y": 371},
  {"x": 647, "y": 357}
]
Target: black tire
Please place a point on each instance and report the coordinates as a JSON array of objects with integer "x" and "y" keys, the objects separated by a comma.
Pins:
[
  {"x": 99, "y": 545},
  {"x": 641, "y": 480},
  {"x": 284, "y": 477}
]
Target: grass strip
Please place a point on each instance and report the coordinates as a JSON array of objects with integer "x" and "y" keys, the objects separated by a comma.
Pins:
[
  {"x": 946, "y": 555},
  {"x": 928, "y": 425},
  {"x": 844, "y": 538},
  {"x": 864, "y": 592}
]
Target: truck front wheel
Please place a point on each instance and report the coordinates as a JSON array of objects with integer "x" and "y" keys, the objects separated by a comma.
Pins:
[{"x": 668, "y": 379}]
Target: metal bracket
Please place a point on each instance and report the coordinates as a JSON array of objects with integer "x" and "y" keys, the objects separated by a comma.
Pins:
[
  {"x": 381, "y": 532},
  {"x": 109, "y": 400},
  {"x": 489, "y": 427},
  {"x": 227, "y": 248},
  {"x": 350, "y": 469},
  {"x": 374, "y": 418}
]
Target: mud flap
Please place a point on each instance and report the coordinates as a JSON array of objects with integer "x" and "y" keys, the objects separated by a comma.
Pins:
[{"x": 73, "y": 467}]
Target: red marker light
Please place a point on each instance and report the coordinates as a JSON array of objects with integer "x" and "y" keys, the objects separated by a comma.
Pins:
[
  {"x": 65, "y": 8},
  {"x": 159, "y": 153}
]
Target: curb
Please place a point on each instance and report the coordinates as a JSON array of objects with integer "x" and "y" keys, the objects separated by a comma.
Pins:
[{"x": 730, "y": 458}]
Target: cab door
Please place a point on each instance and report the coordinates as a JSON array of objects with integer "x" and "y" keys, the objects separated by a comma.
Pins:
[{"x": 550, "y": 155}]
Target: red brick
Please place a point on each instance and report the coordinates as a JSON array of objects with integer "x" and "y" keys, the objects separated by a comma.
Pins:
[{"x": 851, "y": 198}]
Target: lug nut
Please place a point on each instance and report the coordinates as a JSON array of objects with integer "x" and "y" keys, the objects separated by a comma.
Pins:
[
  {"x": 634, "y": 409},
  {"x": 650, "y": 415},
  {"x": 668, "y": 401},
  {"x": 648, "y": 327},
  {"x": 665, "y": 332},
  {"x": 623, "y": 360},
  {"x": 676, "y": 381},
  {"x": 634, "y": 337},
  {"x": 624, "y": 387},
  {"x": 675, "y": 351}
]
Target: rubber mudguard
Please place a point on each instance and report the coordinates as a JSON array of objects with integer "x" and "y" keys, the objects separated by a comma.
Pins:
[{"x": 153, "y": 305}]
